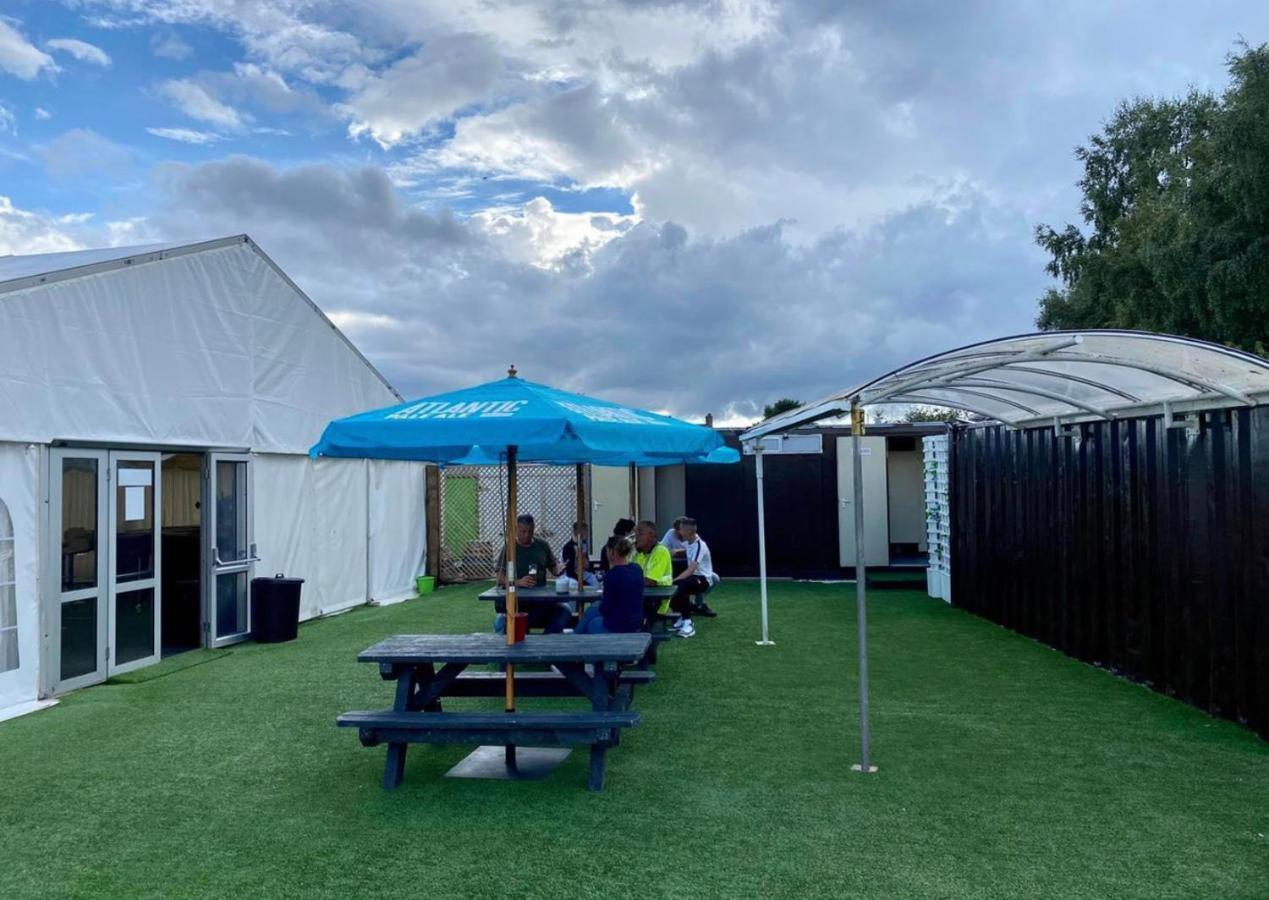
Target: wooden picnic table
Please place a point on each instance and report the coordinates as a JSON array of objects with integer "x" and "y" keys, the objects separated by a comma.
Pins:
[{"x": 590, "y": 664}]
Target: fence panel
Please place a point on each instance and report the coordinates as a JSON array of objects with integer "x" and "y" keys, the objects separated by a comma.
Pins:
[
  {"x": 1129, "y": 545},
  {"x": 473, "y": 514}
]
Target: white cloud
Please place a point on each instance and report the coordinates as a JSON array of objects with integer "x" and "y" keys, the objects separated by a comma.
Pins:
[
  {"x": 81, "y": 50},
  {"x": 185, "y": 135},
  {"x": 538, "y": 234},
  {"x": 23, "y": 231},
  {"x": 8, "y": 122},
  {"x": 290, "y": 35},
  {"x": 82, "y": 152},
  {"x": 441, "y": 78},
  {"x": 354, "y": 322},
  {"x": 194, "y": 100},
  {"x": 42, "y": 114},
  {"x": 169, "y": 46},
  {"x": 20, "y": 57}
]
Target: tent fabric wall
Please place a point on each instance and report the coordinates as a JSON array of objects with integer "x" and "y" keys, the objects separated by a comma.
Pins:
[
  {"x": 398, "y": 528},
  {"x": 208, "y": 349},
  {"x": 310, "y": 523},
  {"x": 355, "y": 530},
  {"x": 19, "y": 491},
  {"x": 1127, "y": 544}
]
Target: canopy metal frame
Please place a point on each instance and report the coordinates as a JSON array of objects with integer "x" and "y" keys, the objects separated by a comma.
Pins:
[{"x": 997, "y": 380}]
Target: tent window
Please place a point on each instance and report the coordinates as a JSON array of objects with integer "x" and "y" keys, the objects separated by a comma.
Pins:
[{"x": 8, "y": 594}]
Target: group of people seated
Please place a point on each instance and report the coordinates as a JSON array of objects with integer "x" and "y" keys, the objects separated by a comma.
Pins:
[{"x": 632, "y": 559}]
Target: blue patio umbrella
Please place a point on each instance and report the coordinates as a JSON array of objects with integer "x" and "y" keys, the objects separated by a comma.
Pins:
[
  {"x": 512, "y": 420},
  {"x": 477, "y": 425}
]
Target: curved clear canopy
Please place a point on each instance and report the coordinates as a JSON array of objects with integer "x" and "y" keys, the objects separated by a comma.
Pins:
[{"x": 1059, "y": 376}]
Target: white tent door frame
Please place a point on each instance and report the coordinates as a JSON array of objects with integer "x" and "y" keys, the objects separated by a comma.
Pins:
[
  {"x": 105, "y": 563},
  {"x": 230, "y": 549},
  {"x": 876, "y": 506}
]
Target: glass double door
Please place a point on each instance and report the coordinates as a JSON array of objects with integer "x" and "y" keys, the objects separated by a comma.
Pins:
[{"x": 106, "y": 510}]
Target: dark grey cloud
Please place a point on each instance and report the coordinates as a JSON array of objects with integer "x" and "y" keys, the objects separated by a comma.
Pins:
[{"x": 656, "y": 317}]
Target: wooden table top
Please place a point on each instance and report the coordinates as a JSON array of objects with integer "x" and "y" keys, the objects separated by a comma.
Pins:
[
  {"x": 547, "y": 592},
  {"x": 493, "y": 648}
]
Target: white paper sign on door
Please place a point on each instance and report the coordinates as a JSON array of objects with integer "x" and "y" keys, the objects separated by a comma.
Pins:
[
  {"x": 135, "y": 477},
  {"x": 133, "y": 504}
]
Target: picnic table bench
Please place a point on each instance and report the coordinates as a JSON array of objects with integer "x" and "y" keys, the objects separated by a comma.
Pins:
[{"x": 589, "y": 665}]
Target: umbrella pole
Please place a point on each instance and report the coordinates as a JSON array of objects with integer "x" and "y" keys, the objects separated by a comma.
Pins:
[
  {"x": 512, "y": 607},
  {"x": 861, "y": 584},
  {"x": 634, "y": 492}
]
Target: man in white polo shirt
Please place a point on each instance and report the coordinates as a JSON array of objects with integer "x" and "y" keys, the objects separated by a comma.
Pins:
[{"x": 693, "y": 581}]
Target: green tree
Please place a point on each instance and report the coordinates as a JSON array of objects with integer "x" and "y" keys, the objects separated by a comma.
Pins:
[
  {"x": 1176, "y": 213},
  {"x": 784, "y": 404},
  {"x": 933, "y": 414}
]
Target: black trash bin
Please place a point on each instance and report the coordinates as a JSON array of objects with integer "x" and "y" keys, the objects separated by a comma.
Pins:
[{"x": 275, "y": 608}]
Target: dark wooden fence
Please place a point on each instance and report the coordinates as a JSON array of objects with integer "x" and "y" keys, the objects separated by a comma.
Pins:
[
  {"x": 1129, "y": 545},
  {"x": 801, "y": 503}
]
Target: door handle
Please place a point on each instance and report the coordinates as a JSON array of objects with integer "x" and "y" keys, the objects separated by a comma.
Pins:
[{"x": 219, "y": 563}]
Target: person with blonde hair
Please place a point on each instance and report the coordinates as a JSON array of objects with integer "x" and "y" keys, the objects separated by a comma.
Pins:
[{"x": 621, "y": 609}]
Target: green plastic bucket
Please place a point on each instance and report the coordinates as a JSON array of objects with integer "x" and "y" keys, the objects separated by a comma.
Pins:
[{"x": 425, "y": 584}]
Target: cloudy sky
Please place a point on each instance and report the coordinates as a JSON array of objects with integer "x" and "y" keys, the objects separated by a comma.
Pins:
[{"x": 689, "y": 206}]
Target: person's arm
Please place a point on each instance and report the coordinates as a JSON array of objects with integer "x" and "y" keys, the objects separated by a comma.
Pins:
[
  {"x": 553, "y": 565},
  {"x": 706, "y": 561},
  {"x": 687, "y": 572}
]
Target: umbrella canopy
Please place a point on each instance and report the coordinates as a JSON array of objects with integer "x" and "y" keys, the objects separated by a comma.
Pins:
[{"x": 476, "y": 425}]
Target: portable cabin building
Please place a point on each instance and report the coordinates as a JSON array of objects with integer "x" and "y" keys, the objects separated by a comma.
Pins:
[
  {"x": 810, "y": 519},
  {"x": 156, "y": 408}
]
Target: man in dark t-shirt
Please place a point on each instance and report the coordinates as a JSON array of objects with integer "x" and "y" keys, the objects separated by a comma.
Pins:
[{"x": 535, "y": 561}]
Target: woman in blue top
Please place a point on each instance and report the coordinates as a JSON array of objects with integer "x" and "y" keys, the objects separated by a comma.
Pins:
[{"x": 621, "y": 609}]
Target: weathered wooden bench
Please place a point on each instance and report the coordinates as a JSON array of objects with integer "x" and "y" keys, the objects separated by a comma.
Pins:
[
  {"x": 600, "y": 730},
  {"x": 542, "y": 684}
]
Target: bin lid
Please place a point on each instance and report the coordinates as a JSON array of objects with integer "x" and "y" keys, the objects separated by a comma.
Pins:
[{"x": 278, "y": 579}]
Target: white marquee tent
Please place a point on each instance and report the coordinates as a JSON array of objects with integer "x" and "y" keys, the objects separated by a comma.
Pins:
[{"x": 156, "y": 408}]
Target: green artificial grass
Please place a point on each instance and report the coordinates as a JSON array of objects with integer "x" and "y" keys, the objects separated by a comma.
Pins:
[
  {"x": 1006, "y": 770},
  {"x": 170, "y": 666}
]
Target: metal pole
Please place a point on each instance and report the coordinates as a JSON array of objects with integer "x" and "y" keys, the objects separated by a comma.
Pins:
[
  {"x": 861, "y": 583},
  {"x": 762, "y": 545},
  {"x": 512, "y": 606},
  {"x": 634, "y": 492},
  {"x": 579, "y": 560}
]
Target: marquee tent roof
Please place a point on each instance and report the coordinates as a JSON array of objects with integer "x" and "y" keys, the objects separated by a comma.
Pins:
[
  {"x": 1058, "y": 376},
  {"x": 205, "y": 344}
]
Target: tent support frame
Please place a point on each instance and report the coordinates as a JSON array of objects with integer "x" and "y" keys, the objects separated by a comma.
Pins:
[
  {"x": 861, "y": 584},
  {"x": 762, "y": 547}
]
